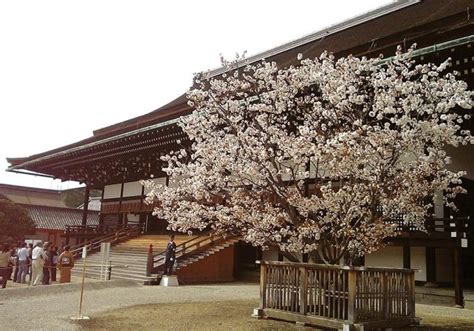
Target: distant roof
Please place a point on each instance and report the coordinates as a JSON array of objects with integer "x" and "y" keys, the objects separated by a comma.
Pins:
[
  {"x": 53, "y": 218},
  {"x": 32, "y": 195},
  {"x": 94, "y": 204}
]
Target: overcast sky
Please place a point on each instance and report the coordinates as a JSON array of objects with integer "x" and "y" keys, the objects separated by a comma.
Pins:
[{"x": 70, "y": 67}]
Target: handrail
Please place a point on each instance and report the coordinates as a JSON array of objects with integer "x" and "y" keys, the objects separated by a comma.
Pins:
[
  {"x": 185, "y": 248},
  {"x": 122, "y": 233}
]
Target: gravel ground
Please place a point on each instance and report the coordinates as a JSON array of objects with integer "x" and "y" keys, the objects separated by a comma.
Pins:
[
  {"x": 53, "y": 306},
  {"x": 49, "y": 308}
]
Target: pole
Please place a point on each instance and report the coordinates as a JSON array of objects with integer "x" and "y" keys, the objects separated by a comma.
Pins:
[
  {"x": 82, "y": 286},
  {"x": 84, "y": 257}
]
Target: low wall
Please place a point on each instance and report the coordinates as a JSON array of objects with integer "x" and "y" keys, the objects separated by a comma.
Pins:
[{"x": 218, "y": 267}]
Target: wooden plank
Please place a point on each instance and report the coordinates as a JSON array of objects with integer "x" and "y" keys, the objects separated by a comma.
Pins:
[
  {"x": 390, "y": 323},
  {"x": 351, "y": 297},
  {"x": 263, "y": 286},
  {"x": 306, "y": 319}
]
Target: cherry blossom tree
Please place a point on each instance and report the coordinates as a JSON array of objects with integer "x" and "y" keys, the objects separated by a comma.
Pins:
[{"x": 316, "y": 158}]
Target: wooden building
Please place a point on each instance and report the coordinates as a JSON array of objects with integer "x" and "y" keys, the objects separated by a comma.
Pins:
[
  {"x": 48, "y": 211},
  {"x": 116, "y": 157}
]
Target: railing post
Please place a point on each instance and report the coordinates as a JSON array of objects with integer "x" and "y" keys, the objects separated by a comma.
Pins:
[
  {"x": 263, "y": 286},
  {"x": 351, "y": 296},
  {"x": 303, "y": 291},
  {"x": 386, "y": 299},
  {"x": 149, "y": 262},
  {"x": 412, "y": 294}
]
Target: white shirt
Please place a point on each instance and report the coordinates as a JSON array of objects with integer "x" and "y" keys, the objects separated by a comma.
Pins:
[
  {"x": 37, "y": 252},
  {"x": 23, "y": 254}
]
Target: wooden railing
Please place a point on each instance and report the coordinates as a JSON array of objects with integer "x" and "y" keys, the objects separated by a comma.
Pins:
[
  {"x": 81, "y": 230},
  {"x": 121, "y": 234},
  {"x": 156, "y": 262},
  {"x": 448, "y": 226},
  {"x": 334, "y": 296}
]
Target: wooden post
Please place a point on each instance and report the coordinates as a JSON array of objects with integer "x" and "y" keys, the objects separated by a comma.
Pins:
[
  {"x": 406, "y": 256},
  {"x": 430, "y": 266},
  {"x": 263, "y": 286},
  {"x": 149, "y": 262},
  {"x": 412, "y": 294},
  {"x": 351, "y": 297},
  {"x": 86, "y": 206},
  {"x": 303, "y": 291},
  {"x": 458, "y": 286},
  {"x": 386, "y": 299}
]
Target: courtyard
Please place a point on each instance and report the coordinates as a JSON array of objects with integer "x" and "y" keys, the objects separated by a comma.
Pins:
[{"x": 125, "y": 305}]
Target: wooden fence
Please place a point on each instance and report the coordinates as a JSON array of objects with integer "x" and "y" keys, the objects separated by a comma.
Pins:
[{"x": 337, "y": 297}]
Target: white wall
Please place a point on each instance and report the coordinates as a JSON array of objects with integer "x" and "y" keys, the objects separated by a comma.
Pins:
[
  {"x": 390, "y": 257},
  {"x": 132, "y": 189},
  {"x": 112, "y": 191},
  {"x": 133, "y": 218},
  {"x": 418, "y": 261}
]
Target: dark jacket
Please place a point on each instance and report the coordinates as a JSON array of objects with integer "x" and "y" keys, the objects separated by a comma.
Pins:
[{"x": 171, "y": 250}]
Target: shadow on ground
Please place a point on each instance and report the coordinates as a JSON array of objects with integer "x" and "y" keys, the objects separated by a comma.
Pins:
[{"x": 236, "y": 315}]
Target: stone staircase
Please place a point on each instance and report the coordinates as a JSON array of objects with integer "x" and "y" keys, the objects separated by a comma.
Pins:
[{"x": 129, "y": 258}]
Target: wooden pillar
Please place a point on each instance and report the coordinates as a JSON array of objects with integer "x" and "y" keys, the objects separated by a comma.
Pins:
[
  {"x": 101, "y": 216},
  {"x": 406, "y": 256},
  {"x": 263, "y": 286},
  {"x": 86, "y": 206},
  {"x": 351, "y": 297},
  {"x": 430, "y": 256},
  {"x": 121, "y": 215},
  {"x": 458, "y": 284},
  {"x": 149, "y": 262}
]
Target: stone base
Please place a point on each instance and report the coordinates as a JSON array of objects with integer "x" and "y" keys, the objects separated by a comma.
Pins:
[
  {"x": 79, "y": 318},
  {"x": 169, "y": 281}
]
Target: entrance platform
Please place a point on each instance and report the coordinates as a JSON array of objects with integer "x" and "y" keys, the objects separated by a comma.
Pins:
[{"x": 442, "y": 296}]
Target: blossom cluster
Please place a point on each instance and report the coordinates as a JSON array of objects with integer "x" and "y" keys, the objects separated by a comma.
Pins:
[{"x": 318, "y": 157}]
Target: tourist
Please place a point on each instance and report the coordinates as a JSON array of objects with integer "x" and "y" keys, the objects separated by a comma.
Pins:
[
  {"x": 37, "y": 264},
  {"x": 65, "y": 264},
  {"x": 53, "y": 261},
  {"x": 170, "y": 255},
  {"x": 30, "y": 259},
  {"x": 14, "y": 263},
  {"x": 5, "y": 255},
  {"x": 23, "y": 262},
  {"x": 47, "y": 264}
]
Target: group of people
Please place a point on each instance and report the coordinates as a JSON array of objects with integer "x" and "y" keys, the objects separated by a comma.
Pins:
[{"x": 38, "y": 263}]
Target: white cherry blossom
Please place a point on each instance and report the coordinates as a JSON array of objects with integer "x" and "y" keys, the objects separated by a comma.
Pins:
[{"x": 318, "y": 157}]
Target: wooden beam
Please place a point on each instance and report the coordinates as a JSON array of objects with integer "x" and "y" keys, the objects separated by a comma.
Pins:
[
  {"x": 458, "y": 284},
  {"x": 86, "y": 205},
  {"x": 406, "y": 257},
  {"x": 306, "y": 319}
]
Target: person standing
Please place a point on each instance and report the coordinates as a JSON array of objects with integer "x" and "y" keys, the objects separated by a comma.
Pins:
[
  {"x": 54, "y": 262},
  {"x": 170, "y": 255},
  {"x": 23, "y": 263},
  {"x": 47, "y": 264},
  {"x": 65, "y": 264},
  {"x": 4, "y": 264},
  {"x": 37, "y": 264}
]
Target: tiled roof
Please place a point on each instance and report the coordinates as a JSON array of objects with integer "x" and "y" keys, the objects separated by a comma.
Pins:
[
  {"x": 32, "y": 195},
  {"x": 54, "y": 218}
]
